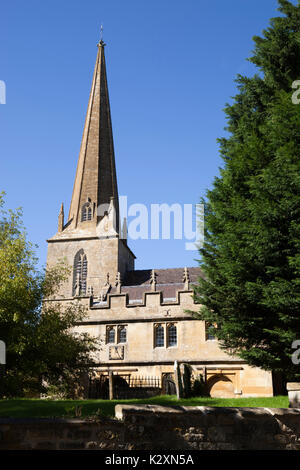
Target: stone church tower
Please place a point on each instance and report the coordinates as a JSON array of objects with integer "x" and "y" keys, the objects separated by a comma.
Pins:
[
  {"x": 91, "y": 235},
  {"x": 141, "y": 316}
]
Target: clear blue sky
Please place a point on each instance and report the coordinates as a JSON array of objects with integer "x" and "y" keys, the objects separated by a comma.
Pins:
[{"x": 171, "y": 66}]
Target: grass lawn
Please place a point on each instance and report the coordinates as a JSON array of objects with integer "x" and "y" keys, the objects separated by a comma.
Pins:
[{"x": 33, "y": 408}]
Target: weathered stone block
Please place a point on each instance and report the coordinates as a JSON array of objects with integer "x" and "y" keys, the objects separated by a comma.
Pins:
[{"x": 293, "y": 389}]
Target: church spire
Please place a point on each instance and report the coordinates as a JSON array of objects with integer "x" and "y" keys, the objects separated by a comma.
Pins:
[{"x": 96, "y": 181}]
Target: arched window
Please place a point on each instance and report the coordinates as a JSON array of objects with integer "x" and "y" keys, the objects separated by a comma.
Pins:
[
  {"x": 122, "y": 334},
  {"x": 86, "y": 212},
  {"x": 172, "y": 335},
  {"x": 159, "y": 336},
  {"x": 110, "y": 334},
  {"x": 80, "y": 273}
]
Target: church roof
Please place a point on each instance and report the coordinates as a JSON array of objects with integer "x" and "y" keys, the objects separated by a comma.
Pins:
[
  {"x": 168, "y": 282},
  {"x": 163, "y": 276}
]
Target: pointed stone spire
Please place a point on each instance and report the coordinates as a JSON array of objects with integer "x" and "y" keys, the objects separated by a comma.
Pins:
[
  {"x": 61, "y": 217},
  {"x": 96, "y": 181}
]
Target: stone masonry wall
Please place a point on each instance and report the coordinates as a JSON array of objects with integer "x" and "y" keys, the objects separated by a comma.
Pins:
[
  {"x": 200, "y": 428},
  {"x": 180, "y": 428}
]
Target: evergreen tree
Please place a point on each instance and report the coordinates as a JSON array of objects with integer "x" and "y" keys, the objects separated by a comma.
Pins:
[{"x": 252, "y": 234}]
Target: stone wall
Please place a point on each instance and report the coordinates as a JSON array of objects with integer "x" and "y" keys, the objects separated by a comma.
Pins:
[
  {"x": 61, "y": 434},
  {"x": 180, "y": 428},
  {"x": 200, "y": 428}
]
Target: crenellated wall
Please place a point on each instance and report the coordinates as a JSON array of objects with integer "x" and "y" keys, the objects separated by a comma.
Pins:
[{"x": 226, "y": 376}]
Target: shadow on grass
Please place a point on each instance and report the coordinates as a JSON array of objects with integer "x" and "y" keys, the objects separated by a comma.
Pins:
[{"x": 36, "y": 408}]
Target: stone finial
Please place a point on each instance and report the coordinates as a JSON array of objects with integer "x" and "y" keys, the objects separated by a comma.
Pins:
[
  {"x": 186, "y": 279},
  {"x": 118, "y": 283},
  {"x": 107, "y": 280},
  {"x": 105, "y": 289},
  {"x": 61, "y": 218},
  {"x": 153, "y": 280}
]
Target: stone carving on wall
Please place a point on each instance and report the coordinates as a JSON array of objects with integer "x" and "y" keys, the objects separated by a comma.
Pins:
[{"x": 116, "y": 352}]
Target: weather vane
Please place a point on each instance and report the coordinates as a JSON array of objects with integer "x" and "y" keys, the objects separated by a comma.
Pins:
[{"x": 101, "y": 42}]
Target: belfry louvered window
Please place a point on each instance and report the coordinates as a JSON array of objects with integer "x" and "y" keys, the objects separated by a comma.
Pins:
[
  {"x": 86, "y": 212},
  {"x": 80, "y": 274}
]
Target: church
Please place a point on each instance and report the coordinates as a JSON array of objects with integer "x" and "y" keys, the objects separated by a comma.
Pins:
[{"x": 140, "y": 316}]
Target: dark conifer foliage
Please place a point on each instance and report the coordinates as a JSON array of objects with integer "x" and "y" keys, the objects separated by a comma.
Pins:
[{"x": 252, "y": 234}]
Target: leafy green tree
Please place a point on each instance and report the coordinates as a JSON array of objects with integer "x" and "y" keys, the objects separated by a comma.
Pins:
[
  {"x": 42, "y": 348},
  {"x": 252, "y": 236}
]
